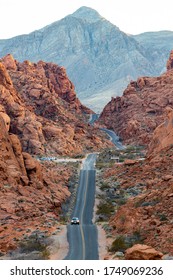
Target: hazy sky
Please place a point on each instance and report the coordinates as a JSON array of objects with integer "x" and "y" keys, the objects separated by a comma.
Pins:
[{"x": 131, "y": 16}]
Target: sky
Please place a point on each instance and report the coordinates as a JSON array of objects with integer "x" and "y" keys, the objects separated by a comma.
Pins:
[{"x": 131, "y": 16}]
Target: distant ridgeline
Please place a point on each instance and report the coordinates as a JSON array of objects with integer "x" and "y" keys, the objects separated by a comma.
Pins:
[{"x": 100, "y": 59}]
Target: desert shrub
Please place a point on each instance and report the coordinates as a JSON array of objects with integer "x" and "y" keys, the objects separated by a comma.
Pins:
[
  {"x": 162, "y": 217},
  {"x": 104, "y": 186},
  {"x": 118, "y": 244},
  {"x": 105, "y": 208},
  {"x": 121, "y": 201},
  {"x": 122, "y": 219},
  {"x": 34, "y": 244},
  {"x": 31, "y": 245}
]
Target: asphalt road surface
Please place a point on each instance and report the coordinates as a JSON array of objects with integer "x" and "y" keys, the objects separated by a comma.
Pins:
[
  {"x": 83, "y": 238},
  {"x": 114, "y": 138},
  {"x": 93, "y": 118}
]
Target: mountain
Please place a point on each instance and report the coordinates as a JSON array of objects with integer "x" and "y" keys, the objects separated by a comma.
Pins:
[
  {"x": 100, "y": 59},
  {"x": 159, "y": 44},
  {"x": 141, "y": 108}
]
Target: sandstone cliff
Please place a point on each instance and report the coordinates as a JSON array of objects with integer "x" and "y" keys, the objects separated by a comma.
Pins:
[{"x": 136, "y": 114}]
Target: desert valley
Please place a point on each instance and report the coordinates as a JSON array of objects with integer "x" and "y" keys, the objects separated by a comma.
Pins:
[{"x": 47, "y": 135}]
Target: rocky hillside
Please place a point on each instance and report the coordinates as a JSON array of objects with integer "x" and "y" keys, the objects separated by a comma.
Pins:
[
  {"x": 100, "y": 59},
  {"x": 136, "y": 114},
  {"x": 44, "y": 110},
  {"x": 31, "y": 194},
  {"x": 40, "y": 115},
  {"x": 147, "y": 189}
]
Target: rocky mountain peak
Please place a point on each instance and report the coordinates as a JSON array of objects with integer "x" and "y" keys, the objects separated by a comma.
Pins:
[
  {"x": 10, "y": 62},
  {"x": 87, "y": 14}
]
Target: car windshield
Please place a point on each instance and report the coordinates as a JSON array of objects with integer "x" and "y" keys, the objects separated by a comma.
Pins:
[{"x": 75, "y": 218}]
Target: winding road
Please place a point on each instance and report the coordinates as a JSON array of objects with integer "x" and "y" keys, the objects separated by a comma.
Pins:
[
  {"x": 114, "y": 138},
  {"x": 82, "y": 238}
]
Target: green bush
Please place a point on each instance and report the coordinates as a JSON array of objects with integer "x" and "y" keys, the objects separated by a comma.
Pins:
[
  {"x": 34, "y": 244},
  {"x": 118, "y": 244},
  {"x": 104, "y": 186},
  {"x": 31, "y": 245},
  {"x": 105, "y": 208},
  {"x": 162, "y": 217}
]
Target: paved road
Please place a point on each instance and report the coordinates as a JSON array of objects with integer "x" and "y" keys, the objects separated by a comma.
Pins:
[
  {"x": 114, "y": 138},
  {"x": 83, "y": 240},
  {"x": 93, "y": 118}
]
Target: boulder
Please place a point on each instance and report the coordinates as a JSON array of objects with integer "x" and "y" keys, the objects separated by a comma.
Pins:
[{"x": 142, "y": 252}]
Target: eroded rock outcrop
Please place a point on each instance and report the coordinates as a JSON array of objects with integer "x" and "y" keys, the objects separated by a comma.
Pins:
[
  {"x": 142, "y": 252},
  {"x": 136, "y": 114},
  {"x": 169, "y": 64},
  {"x": 23, "y": 120},
  {"x": 163, "y": 135},
  {"x": 44, "y": 110},
  {"x": 39, "y": 115},
  {"x": 147, "y": 214},
  {"x": 29, "y": 191}
]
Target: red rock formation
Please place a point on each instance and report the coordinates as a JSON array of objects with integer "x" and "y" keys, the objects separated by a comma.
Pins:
[
  {"x": 170, "y": 61},
  {"x": 42, "y": 83},
  {"x": 39, "y": 114},
  {"x": 148, "y": 215},
  {"x": 28, "y": 190},
  {"x": 136, "y": 114},
  {"x": 44, "y": 110},
  {"x": 142, "y": 252},
  {"x": 163, "y": 135},
  {"x": 23, "y": 120}
]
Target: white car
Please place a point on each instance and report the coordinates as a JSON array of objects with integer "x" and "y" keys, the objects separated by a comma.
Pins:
[{"x": 75, "y": 221}]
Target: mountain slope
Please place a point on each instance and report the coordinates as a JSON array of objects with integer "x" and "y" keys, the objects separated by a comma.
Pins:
[
  {"x": 158, "y": 44},
  {"x": 100, "y": 59},
  {"x": 146, "y": 217}
]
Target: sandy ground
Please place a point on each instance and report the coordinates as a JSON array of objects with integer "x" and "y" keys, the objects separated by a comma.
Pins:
[
  {"x": 102, "y": 241},
  {"x": 59, "y": 248}
]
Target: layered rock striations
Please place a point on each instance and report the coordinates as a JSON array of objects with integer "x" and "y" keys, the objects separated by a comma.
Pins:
[{"x": 136, "y": 114}]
